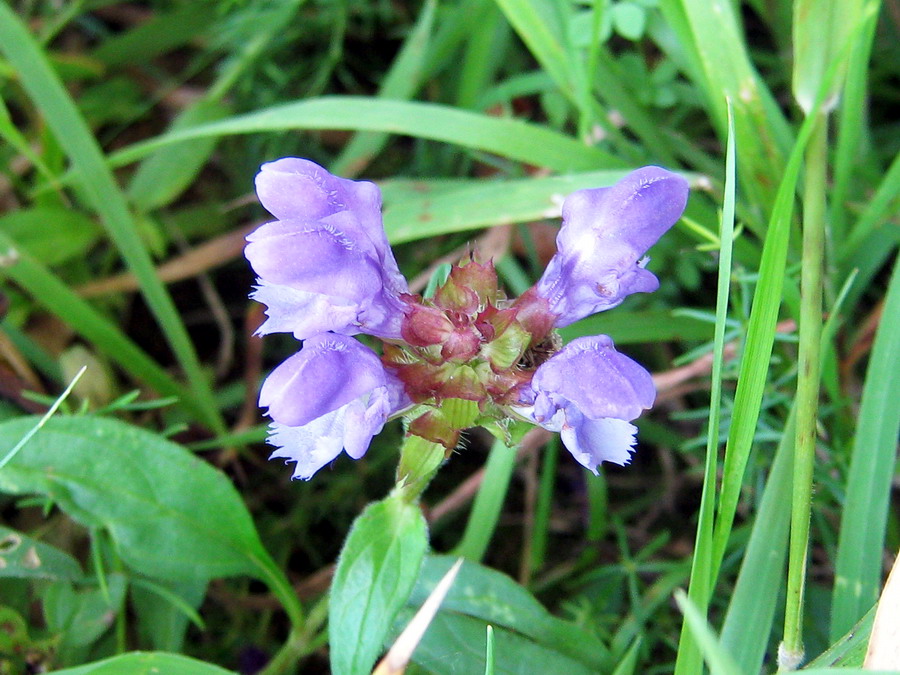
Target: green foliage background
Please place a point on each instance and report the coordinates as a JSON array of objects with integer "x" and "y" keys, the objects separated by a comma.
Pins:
[{"x": 142, "y": 525}]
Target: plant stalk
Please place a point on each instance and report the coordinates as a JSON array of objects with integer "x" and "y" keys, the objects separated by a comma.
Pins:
[{"x": 790, "y": 653}]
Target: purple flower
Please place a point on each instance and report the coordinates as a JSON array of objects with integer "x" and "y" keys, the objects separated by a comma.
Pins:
[
  {"x": 604, "y": 235},
  {"x": 332, "y": 395},
  {"x": 325, "y": 264},
  {"x": 589, "y": 393}
]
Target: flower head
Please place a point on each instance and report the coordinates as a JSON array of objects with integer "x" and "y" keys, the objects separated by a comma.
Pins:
[
  {"x": 589, "y": 393},
  {"x": 468, "y": 355},
  {"x": 604, "y": 236},
  {"x": 332, "y": 395},
  {"x": 325, "y": 264}
]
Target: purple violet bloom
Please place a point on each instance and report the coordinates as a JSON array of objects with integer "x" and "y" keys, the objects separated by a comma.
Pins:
[
  {"x": 325, "y": 264},
  {"x": 589, "y": 392},
  {"x": 604, "y": 236},
  {"x": 334, "y": 394}
]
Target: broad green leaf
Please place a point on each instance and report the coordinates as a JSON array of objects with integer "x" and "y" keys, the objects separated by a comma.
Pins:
[
  {"x": 81, "y": 616},
  {"x": 146, "y": 663},
  {"x": 52, "y": 234},
  {"x": 457, "y": 645},
  {"x": 513, "y": 138},
  {"x": 485, "y": 596},
  {"x": 26, "y": 558},
  {"x": 171, "y": 515},
  {"x": 375, "y": 574}
]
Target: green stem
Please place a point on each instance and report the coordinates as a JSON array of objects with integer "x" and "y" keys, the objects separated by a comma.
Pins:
[
  {"x": 814, "y": 207},
  {"x": 419, "y": 462}
]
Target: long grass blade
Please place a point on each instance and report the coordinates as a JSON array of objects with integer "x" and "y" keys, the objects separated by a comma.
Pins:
[
  {"x": 701, "y": 583},
  {"x": 103, "y": 194},
  {"x": 864, "y": 517},
  {"x": 515, "y": 139}
]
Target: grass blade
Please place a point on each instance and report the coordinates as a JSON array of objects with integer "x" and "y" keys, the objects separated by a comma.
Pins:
[
  {"x": 402, "y": 81},
  {"x": 512, "y": 138},
  {"x": 53, "y": 294},
  {"x": 103, "y": 194},
  {"x": 702, "y": 576},
  {"x": 864, "y": 517},
  {"x": 488, "y": 502}
]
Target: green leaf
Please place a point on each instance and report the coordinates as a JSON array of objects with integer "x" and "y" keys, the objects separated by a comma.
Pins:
[
  {"x": 864, "y": 516},
  {"x": 718, "y": 660},
  {"x": 485, "y": 514},
  {"x": 850, "y": 650},
  {"x": 82, "y": 616},
  {"x": 375, "y": 573},
  {"x": 171, "y": 515},
  {"x": 484, "y": 596},
  {"x": 522, "y": 141},
  {"x": 146, "y": 663},
  {"x": 164, "y": 609},
  {"x": 719, "y": 63},
  {"x": 457, "y": 645},
  {"x": 162, "y": 32},
  {"x": 166, "y": 173},
  {"x": 52, "y": 234},
  {"x": 629, "y": 20},
  {"x": 420, "y": 209},
  {"x": 26, "y": 558},
  {"x": 751, "y": 612},
  {"x": 820, "y": 28},
  {"x": 51, "y": 292},
  {"x": 644, "y": 326}
]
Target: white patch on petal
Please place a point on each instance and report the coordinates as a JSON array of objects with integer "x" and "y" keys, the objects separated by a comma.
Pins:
[
  {"x": 302, "y": 313},
  {"x": 312, "y": 446},
  {"x": 601, "y": 440}
]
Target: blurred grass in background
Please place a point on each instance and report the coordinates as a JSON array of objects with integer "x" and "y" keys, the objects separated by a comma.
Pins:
[{"x": 131, "y": 133}]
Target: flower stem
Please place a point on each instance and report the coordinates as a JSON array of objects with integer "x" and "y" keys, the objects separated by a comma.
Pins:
[
  {"x": 419, "y": 462},
  {"x": 814, "y": 206}
]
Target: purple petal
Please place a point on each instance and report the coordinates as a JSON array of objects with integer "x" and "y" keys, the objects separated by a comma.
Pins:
[
  {"x": 313, "y": 257},
  {"x": 637, "y": 210},
  {"x": 321, "y": 276},
  {"x": 604, "y": 236},
  {"x": 591, "y": 375},
  {"x": 304, "y": 314},
  {"x": 293, "y": 188},
  {"x": 329, "y": 372},
  {"x": 336, "y": 397},
  {"x": 589, "y": 392}
]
